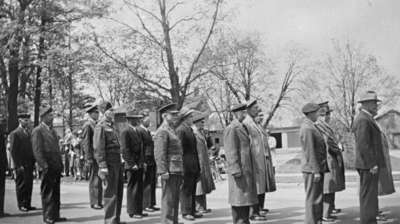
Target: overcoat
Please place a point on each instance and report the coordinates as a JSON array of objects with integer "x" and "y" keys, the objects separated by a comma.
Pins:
[
  {"x": 385, "y": 184},
  {"x": 271, "y": 182},
  {"x": 257, "y": 145},
  {"x": 206, "y": 183},
  {"x": 21, "y": 148},
  {"x": 242, "y": 190},
  {"x": 334, "y": 180},
  {"x": 87, "y": 140},
  {"x": 132, "y": 147},
  {"x": 189, "y": 147}
]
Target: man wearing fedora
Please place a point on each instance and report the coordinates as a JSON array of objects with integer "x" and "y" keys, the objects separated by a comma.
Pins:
[
  {"x": 47, "y": 154},
  {"x": 369, "y": 156},
  {"x": 313, "y": 163},
  {"x": 107, "y": 153},
  {"x": 133, "y": 155},
  {"x": 334, "y": 180},
  {"x": 241, "y": 177},
  {"x": 95, "y": 185},
  {"x": 169, "y": 160},
  {"x": 24, "y": 161},
  {"x": 190, "y": 163}
]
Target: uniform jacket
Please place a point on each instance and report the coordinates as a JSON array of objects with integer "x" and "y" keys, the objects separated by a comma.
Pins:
[
  {"x": 148, "y": 145},
  {"x": 257, "y": 145},
  {"x": 87, "y": 139},
  {"x": 105, "y": 144},
  {"x": 314, "y": 148},
  {"x": 132, "y": 147},
  {"x": 45, "y": 148},
  {"x": 334, "y": 180},
  {"x": 21, "y": 148},
  {"x": 368, "y": 139},
  {"x": 242, "y": 190},
  {"x": 206, "y": 183},
  {"x": 168, "y": 151},
  {"x": 190, "y": 156}
]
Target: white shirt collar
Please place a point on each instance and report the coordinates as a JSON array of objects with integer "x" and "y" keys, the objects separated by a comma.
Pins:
[{"x": 367, "y": 112}]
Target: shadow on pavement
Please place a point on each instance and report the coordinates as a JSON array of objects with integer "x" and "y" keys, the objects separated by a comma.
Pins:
[{"x": 86, "y": 219}]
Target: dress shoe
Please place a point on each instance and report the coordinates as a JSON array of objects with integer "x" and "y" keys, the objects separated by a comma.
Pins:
[
  {"x": 155, "y": 208},
  {"x": 49, "y": 221},
  {"x": 265, "y": 210},
  {"x": 97, "y": 207},
  {"x": 31, "y": 208},
  {"x": 381, "y": 218},
  {"x": 145, "y": 214},
  {"x": 149, "y": 210},
  {"x": 188, "y": 217},
  {"x": 136, "y": 216},
  {"x": 336, "y": 210},
  {"x": 205, "y": 211},
  {"x": 258, "y": 218},
  {"x": 23, "y": 209},
  {"x": 198, "y": 215},
  {"x": 61, "y": 219},
  {"x": 328, "y": 219}
]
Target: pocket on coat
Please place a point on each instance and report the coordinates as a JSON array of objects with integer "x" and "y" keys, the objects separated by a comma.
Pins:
[{"x": 175, "y": 163}]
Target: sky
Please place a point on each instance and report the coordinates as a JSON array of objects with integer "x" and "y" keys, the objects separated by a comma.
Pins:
[{"x": 314, "y": 23}]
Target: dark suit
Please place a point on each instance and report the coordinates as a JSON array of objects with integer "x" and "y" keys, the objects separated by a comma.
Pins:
[
  {"x": 95, "y": 185},
  {"x": 191, "y": 167},
  {"x": 168, "y": 154},
  {"x": 369, "y": 153},
  {"x": 150, "y": 178},
  {"x": 132, "y": 152},
  {"x": 24, "y": 161},
  {"x": 3, "y": 166},
  {"x": 313, "y": 162},
  {"x": 107, "y": 153},
  {"x": 48, "y": 156}
]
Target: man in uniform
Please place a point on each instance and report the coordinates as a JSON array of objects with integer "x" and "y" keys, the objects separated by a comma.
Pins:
[
  {"x": 3, "y": 164},
  {"x": 150, "y": 178},
  {"x": 260, "y": 162},
  {"x": 133, "y": 155},
  {"x": 95, "y": 185},
  {"x": 334, "y": 180},
  {"x": 169, "y": 159},
  {"x": 313, "y": 164},
  {"x": 24, "y": 161},
  {"x": 48, "y": 156},
  {"x": 191, "y": 165},
  {"x": 369, "y": 156},
  {"x": 241, "y": 177},
  {"x": 107, "y": 153}
]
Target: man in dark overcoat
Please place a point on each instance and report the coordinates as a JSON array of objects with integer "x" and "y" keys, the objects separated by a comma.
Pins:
[
  {"x": 369, "y": 156},
  {"x": 133, "y": 155},
  {"x": 241, "y": 178},
  {"x": 48, "y": 156},
  {"x": 191, "y": 165},
  {"x": 3, "y": 164},
  {"x": 334, "y": 180},
  {"x": 24, "y": 161},
  {"x": 95, "y": 185},
  {"x": 107, "y": 153},
  {"x": 313, "y": 163},
  {"x": 150, "y": 171},
  {"x": 169, "y": 160}
]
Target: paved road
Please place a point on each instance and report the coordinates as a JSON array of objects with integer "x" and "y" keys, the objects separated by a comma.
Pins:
[{"x": 286, "y": 206}]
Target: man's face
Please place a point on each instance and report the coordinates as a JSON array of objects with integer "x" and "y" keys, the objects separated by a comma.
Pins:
[
  {"x": 200, "y": 125},
  {"x": 171, "y": 118},
  {"x": 253, "y": 110},
  {"x": 371, "y": 106},
  {"x": 146, "y": 122},
  {"x": 240, "y": 115},
  {"x": 94, "y": 115},
  {"x": 313, "y": 116},
  {"x": 24, "y": 122},
  {"x": 48, "y": 118}
]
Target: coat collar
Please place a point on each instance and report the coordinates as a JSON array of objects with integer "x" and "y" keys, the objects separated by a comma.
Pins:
[{"x": 370, "y": 118}]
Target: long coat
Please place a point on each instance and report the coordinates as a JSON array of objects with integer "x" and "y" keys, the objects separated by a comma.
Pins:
[
  {"x": 334, "y": 180},
  {"x": 385, "y": 184},
  {"x": 189, "y": 146},
  {"x": 271, "y": 182},
  {"x": 21, "y": 148},
  {"x": 206, "y": 183},
  {"x": 46, "y": 149},
  {"x": 132, "y": 147},
  {"x": 313, "y": 145},
  {"x": 368, "y": 139},
  {"x": 242, "y": 190},
  {"x": 87, "y": 139},
  {"x": 257, "y": 145}
]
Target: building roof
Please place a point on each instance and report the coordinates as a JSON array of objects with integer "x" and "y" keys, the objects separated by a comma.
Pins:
[{"x": 391, "y": 111}]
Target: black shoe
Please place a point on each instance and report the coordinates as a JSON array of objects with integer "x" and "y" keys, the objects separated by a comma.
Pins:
[
  {"x": 24, "y": 209},
  {"x": 265, "y": 210},
  {"x": 188, "y": 217},
  {"x": 49, "y": 221},
  {"x": 205, "y": 211},
  {"x": 155, "y": 208},
  {"x": 97, "y": 207},
  {"x": 381, "y": 218},
  {"x": 198, "y": 215},
  {"x": 258, "y": 218},
  {"x": 328, "y": 219},
  {"x": 336, "y": 210},
  {"x": 61, "y": 219},
  {"x": 137, "y": 216},
  {"x": 31, "y": 208},
  {"x": 149, "y": 210}
]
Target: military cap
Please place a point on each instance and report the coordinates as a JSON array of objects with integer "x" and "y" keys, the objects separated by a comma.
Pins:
[
  {"x": 369, "y": 96},
  {"x": 325, "y": 106},
  {"x": 184, "y": 112},
  {"x": 23, "y": 115},
  {"x": 310, "y": 107},
  {"x": 45, "y": 110},
  {"x": 171, "y": 108},
  {"x": 105, "y": 105},
  {"x": 92, "y": 108},
  {"x": 239, "y": 107},
  {"x": 250, "y": 103},
  {"x": 198, "y": 116},
  {"x": 133, "y": 115}
]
